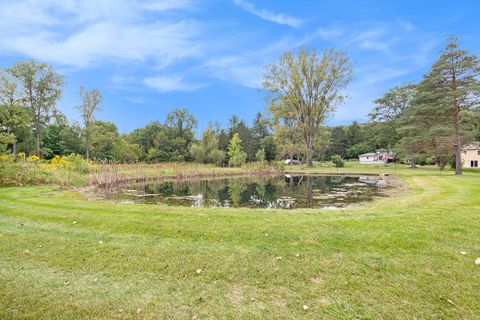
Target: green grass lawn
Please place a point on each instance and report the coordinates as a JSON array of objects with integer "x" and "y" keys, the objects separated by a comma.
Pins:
[{"x": 394, "y": 258}]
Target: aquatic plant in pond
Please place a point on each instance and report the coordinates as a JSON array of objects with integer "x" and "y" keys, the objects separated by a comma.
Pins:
[{"x": 308, "y": 191}]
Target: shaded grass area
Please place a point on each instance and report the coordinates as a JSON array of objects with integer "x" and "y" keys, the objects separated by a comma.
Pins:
[{"x": 395, "y": 258}]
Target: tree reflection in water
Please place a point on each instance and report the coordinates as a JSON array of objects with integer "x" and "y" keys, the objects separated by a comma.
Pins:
[{"x": 290, "y": 191}]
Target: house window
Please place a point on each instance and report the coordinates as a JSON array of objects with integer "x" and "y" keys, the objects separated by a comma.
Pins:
[
  {"x": 478, "y": 152},
  {"x": 474, "y": 164}
]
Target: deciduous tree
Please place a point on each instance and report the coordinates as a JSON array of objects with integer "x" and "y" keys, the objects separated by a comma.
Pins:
[
  {"x": 91, "y": 100},
  {"x": 42, "y": 88},
  {"x": 13, "y": 115},
  {"x": 392, "y": 105},
  {"x": 307, "y": 87},
  {"x": 206, "y": 150}
]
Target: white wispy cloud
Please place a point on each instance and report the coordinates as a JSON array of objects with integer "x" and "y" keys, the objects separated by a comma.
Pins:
[
  {"x": 164, "y": 5},
  {"x": 279, "y": 18},
  {"x": 383, "y": 54},
  {"x": 406, "y": 25},
  {"x": 243, "y": 70},
  {"x": 246, "y": 67},
  {"x": 83, "y": 33},
  {"x": 153, "y": 37},
  {"x": 373, "y": 38},
  {"x": 136, "y": 100},
  {"x": 171, "y": 83},
  {"x": 328, "y": 33},
  {"x": 96, "y": 42}
]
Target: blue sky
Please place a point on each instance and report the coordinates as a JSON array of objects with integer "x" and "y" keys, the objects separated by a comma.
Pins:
[{"x": 148, "y": 57}]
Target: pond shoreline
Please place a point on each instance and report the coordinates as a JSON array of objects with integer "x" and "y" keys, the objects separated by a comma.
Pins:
[
  {"x": 236, "y": 175},
  {"x": 180, "y": 177},
  {"x": 348, "y": 174},
  {"x": 281, "y": 190}
]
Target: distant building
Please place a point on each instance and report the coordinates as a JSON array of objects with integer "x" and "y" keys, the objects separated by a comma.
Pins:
[
  {"x": 292, "y": 161},
  {"x": 471, "y": 155},
  {"x": 380, "y": 156}
]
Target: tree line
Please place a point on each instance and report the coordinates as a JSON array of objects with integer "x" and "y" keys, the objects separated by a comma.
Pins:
[
  {"x": 425, "y": 122},
  {"x": 434, "y": 118},
  {"x": 31, "y": 123}
]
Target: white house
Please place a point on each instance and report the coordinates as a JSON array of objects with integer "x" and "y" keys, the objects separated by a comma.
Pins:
[
  {"x": 380, "y": 156},
  {"x": 471, "y": 155}
]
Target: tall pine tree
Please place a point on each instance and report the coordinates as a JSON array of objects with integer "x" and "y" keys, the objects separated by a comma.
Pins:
[{"x": 451, "y": 87}]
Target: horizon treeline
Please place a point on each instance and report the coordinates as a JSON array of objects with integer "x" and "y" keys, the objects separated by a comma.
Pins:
[
  {"x": 32, "y": 124},
  {"x": 424, "y": 123}
]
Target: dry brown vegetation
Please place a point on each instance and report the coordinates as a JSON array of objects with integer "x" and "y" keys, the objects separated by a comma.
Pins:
[{"x": 109, "y": 174}]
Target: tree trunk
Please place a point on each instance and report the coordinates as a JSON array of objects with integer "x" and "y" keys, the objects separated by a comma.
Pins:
[
  {"x": 309, "y": 155},
  {"x": 413, "y": 163},
  {"x": 14, "y": 147},
  {"x": 458, "y": 149},
  {"x": 87, "y": 142},
  {"x": 87, "y": 151},
  {"x": 458, "y": 140},
  {"x": 37, "y": 132},
  {"x": 37, "y": 143}
]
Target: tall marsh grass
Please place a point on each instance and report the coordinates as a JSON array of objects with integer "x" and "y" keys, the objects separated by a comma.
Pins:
[
  {"x": 108, "y": 174},
  {"x": 75, "y": 171}
]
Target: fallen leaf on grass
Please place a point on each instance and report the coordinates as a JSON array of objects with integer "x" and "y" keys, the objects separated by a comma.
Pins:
[
  {"x": 448, "y": 300},
  {"x": 305, "y": 307}
]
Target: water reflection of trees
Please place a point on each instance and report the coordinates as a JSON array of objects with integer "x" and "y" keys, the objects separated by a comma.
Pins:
[
  {"x": 304, "y": 189},
  {"x": 300, "y": 191}
]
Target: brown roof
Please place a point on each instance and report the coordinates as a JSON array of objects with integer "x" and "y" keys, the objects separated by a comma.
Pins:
[{"x": 473, "y": 146}]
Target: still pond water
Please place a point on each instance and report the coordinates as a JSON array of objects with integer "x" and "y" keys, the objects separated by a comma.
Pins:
[{"x": 286, "y": 192}]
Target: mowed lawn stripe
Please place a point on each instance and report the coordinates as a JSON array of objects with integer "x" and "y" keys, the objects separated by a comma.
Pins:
[{"x": 396, "y": 257}]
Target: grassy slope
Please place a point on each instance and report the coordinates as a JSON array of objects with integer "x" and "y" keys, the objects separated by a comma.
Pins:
[{"x": 394, "y": 258}]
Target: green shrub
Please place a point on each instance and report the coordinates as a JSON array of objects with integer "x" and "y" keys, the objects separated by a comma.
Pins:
[
  {"x": 338, "y": 161},
  {"x": 21, "y": 171},
  {"x": 260, "y": 155}
]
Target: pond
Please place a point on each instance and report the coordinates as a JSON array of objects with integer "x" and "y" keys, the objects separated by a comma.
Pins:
[{"x": 288, "y": 192}]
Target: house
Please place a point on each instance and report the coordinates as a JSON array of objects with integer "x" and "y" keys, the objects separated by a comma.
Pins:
[
  {"x": 380, "y": 156},
  {"x": 471, "y": 155}
]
